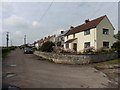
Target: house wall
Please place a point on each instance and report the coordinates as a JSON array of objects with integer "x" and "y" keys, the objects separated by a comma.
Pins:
[
  {"x": 105, "y": 23},
  {"x": 86, "y": 38},
  {"x": 37, "y": 45},
  {"x": 81, "y": 39},
  {"x": 52, "y": 39}
]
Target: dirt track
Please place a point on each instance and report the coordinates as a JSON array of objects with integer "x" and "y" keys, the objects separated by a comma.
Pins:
[{"x": 32, "y": 72}]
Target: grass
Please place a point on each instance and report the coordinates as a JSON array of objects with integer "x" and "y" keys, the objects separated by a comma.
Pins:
[
  {"x": 6, "y": 53},
  {"x": 50, "y": 60},
  {"x": 116, "y": 61}
]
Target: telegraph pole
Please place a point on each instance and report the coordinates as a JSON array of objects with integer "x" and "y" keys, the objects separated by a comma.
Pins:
[
  {"x": 24, "y": 39},
  {"x": 11, "y": 43},
  {"x": 7, "y": 38}
]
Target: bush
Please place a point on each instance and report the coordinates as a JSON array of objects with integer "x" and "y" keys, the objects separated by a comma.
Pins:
[
  {"x": 62, "y": 50},
  {"x": 50, "y": 60},
  {"x": 88, "y": 50},
  {"x": 116, "y": 46},
  {"x": 47, "y": 46}
]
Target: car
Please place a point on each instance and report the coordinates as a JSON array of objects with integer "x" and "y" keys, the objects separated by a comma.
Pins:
[{"x": 28, "y": 51}]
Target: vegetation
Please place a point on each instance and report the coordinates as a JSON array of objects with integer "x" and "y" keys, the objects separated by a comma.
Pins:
[
  {"x": 5, "y": 51},
  {"x": 116, "y": 61},
  {"x": 116, "y": 46},
  {"x": 47, "y": 46},
  {"x": 91, "y": 50},
  {"x": 50, "y": 60},
  {"x": 117, "y": 36}
]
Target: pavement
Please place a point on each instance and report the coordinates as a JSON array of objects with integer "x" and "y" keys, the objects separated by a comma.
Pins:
[{"x": 30, "y": 71}]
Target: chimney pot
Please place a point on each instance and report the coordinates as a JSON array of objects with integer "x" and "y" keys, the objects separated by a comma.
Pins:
[
  {"x": 62, "y": 32},
  {"x": 71, "y": 27},
  {"x": 86, "y": 21}
]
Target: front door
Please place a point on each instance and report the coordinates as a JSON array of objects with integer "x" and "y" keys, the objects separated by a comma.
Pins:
[{"x": 75, "y": 46}]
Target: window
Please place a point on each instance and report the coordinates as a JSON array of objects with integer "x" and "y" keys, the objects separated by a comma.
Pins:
[
  {"x": 74, "y": 35},
  {"x": 86, "y": 44},
  {"x": 106, "y": 44},
  {"x": 67, "y": 45},
  {"x": 105, "y": 31},
  {"x": 87, "y": 32}
]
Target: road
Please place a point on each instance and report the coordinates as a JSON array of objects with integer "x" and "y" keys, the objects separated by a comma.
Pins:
[{"x": 33, "y": 72}]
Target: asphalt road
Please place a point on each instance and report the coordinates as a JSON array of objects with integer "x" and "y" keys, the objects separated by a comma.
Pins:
[{"x": 31, "y": 71}]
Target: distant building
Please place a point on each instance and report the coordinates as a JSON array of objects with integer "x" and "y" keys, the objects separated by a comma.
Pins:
[
  {"x": 60, "y": 39},
  {"x": 40, "y": 42}
]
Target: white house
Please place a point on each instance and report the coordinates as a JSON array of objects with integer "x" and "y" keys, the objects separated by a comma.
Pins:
[{"x": 97, "y": 33}]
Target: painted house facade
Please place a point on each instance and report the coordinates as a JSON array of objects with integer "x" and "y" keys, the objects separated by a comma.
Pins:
[
  {"x": 96, "y": 33},
  {"x": 60, "y": 39}
]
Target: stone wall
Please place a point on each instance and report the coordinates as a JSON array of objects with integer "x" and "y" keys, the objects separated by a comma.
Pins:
[{"x": 77, "y": 58}]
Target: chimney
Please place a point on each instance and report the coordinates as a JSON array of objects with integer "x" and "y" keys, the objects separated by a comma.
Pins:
[
  {"x": 86, "y": 21},
  {"x": 71, "y": 27},
  {"x": 62, "y": 32},
  {"x": 45, "y": 37}
]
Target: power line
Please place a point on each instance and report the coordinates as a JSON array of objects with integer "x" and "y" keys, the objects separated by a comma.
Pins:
[{"x": 46, "y": 10}]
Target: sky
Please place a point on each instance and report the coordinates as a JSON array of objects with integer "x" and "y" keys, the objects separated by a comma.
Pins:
[{"x": 32, "y": 19}]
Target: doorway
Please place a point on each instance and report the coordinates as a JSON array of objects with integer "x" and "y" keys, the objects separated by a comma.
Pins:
[{"x": 75, "y": 46}]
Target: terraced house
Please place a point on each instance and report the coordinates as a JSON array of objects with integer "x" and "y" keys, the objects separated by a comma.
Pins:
[{"x": 96, "y": 33}]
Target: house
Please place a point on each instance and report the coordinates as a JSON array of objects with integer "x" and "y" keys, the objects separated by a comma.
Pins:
[
  {"x": 96, "y": 33},
  {"x": 40, "y": 42},
  {"x": 36, "y": 45},
  {"x": 60, "y": 39}
]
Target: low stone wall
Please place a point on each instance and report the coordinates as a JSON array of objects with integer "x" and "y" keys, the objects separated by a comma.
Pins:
[{"x": 77, "y": 59}]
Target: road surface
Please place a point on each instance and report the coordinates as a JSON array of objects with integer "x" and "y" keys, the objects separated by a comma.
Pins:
[{"x": 31, "y": 71}]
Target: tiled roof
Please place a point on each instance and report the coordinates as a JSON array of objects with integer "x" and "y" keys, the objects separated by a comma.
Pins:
[
  {"x": 47, "y": 38},
  {"x": 70, "y": 40},
  {"x": 85, "y": 26}
]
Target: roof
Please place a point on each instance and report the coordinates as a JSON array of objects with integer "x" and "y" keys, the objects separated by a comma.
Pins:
[
  {"x": 70, "y": 40},
  {"x": 85, "y": 26},
  {"x": 47, "y": 38}
]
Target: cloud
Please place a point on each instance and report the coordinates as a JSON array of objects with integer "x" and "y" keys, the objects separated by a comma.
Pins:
[
  {"x": 15, "y": 21},
  {"x": 18, "y": 33},
  {"x": 18, "y": 26},
  {"x": 36, "y": 24}
]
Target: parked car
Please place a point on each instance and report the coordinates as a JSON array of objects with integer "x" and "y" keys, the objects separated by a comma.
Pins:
[{"x": 28, "y": 51}]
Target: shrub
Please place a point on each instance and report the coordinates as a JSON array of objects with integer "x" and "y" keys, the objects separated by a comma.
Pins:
[
  {"x": 88, "y": 50},
  {"x": 47, "y": 46},
  {"x": 102, "y": 50},
  {"x": 50, "y": 60},
  {"x": 116, "y": 46},
  {"x": 62, "y": 50}
]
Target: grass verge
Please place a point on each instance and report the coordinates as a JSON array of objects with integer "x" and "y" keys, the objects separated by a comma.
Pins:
[{"x": 116, "y": 61}]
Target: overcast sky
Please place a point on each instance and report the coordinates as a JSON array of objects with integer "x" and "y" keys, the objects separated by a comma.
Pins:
[{"x": 22, "y": 18}]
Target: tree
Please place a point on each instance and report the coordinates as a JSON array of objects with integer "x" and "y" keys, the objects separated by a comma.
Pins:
[
  {"x": 117, "y": 36},
  {"x": 116, "y": 45},
  {"x": 47, "y": 46}
]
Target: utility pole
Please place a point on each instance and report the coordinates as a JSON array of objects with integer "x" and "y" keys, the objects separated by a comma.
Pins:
[
  {"x": 24, "y": 39},
  {"x": 7, "y": 38},
  {"x": 11, "y": 43}
]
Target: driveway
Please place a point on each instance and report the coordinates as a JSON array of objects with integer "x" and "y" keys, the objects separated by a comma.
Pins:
[{"x": 30, "y": 71}]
